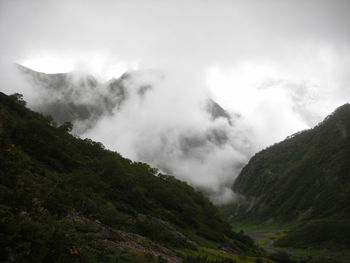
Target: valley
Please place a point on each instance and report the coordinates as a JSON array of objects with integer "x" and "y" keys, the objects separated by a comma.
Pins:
[
  {"x": 266, "y": 236},
  {"x": 103, "y": 202},
  {"x": 66, "y": 199},
  {"x": 196, "y": 131}
]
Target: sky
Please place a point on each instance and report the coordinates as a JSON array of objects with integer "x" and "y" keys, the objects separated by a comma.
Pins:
[{"x": 280, "y": 65}]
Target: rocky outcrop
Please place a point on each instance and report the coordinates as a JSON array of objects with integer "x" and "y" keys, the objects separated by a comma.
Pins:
[{"x": 122, "y": 241}]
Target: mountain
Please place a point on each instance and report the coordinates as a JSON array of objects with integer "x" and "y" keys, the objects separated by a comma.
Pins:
[
  {"x": 76, "y": 98},
  {"x": 145, "y": 118},
  {"x": 81, "y": 98},
  {"x": 302, "y": 185},
  {"x": 305, "y": 176},
  {"x": 64, "y": 199}
]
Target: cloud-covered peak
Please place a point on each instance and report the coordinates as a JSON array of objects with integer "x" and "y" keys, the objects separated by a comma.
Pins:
[{"x": 134, "y": 115}]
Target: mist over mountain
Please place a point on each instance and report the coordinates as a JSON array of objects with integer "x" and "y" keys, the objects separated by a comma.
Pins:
[
  {"x": 73, "y": 97},
  {"x": 65, "y": 199},
  {"x": 195, "y": 101},
  {"x": 181, "y": 133},
  {"x": 280, "y": 66}
]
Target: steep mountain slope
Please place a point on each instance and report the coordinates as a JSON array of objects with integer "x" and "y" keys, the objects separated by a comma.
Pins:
[
  {"x": 305, "y": 176},
  {"x": 64, "y": 199}
]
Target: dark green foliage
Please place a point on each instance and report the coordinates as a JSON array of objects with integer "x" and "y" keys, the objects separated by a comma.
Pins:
[
  {"x": 39, "y": 240},
  {"x": 322, "y": 233},
  {"x": 47, "y": 176},
  {"x": 305, "y": 176},
  {"x": 205, "y": 259},
  {"x": 280, "y": 257}
]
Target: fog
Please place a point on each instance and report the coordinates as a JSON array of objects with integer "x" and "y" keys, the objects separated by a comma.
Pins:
[{"x": 281, "y": 66}]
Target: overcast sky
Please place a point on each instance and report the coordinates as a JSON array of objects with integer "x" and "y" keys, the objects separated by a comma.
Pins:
[
  {"x": 282, "y": 65},
  {"x": 232, "y": 47}
]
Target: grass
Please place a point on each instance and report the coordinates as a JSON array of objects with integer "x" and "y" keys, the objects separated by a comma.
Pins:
[
  {"x": 200, "y": 240},
  {"x": 275, "y": 236},
  {"x": 260, "y": 241},
  {"x": 319, "y": 233},
  {"x": 298, "y": 253},
  {"x": 214, "y": 254},
  {"x": 247, "y": 226}
]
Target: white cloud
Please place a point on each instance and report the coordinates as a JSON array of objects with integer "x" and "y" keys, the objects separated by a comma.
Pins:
[{"x": 283, "y": 65}]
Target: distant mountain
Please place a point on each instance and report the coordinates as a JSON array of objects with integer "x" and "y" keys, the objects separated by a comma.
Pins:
[
  {"x": 78, "y": 98},
  {"x": 305, "y": 176},
  {"x": 124, "y": 107},
  {"x": 64, "y": 199},
  {"x": 216, "y": 111}
]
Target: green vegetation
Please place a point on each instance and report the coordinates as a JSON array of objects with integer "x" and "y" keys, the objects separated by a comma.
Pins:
[
  {"x": 260, "y": 241},
  {"x": 300, "y": 185},
  {"x": 322, "y": 233},
  {"x": 206, "y": 255},
  {"x": 269, "y": 239},
  {"x": 314, "y": 255},
  {"x": 248, "y": 225},
  {"x": 64, "y": 199},
  {"x": 275, "y": 236},
  {"x": 305, "y": 176}
]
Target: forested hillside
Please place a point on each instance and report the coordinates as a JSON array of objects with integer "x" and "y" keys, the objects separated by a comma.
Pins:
[
  {"x": 64, "y": 199},
  {"x": 305, "y": 176},
  {"x": 302, "y": 181}
]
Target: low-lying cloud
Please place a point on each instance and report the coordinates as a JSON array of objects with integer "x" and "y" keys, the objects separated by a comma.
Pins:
[
  {"x": 154, "y": 117},
  {"x": 171, "y": 127},
  {"x": 275, "y": 66}
]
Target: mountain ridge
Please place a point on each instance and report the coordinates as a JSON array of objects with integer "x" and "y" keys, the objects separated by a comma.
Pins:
[
  {"x": 131, "y": 105},
  {"x": 305, "y": 176},
  {"x": 114, "y": 97},
  {"x": 64, "y": 199}
]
